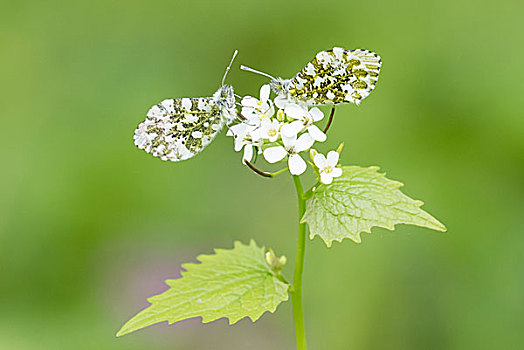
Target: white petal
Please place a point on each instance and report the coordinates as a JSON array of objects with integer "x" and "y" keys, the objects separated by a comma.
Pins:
[
  {"x": 239, "y": 143},
  {"x": 255, "y": 134},
  {"x": 320, "y": 161},
  {"x": 265, "y": 123},
  {"x": 247, "y": 111},
  {"x": 316, "y": 133},
  {"x": 336, "y": 172},
  {"x": 289, "y": 141},
  {"x": 248, "y": 153},
  {"x": 303, "y": 143},
  {"x": 271, "y": 109},
  {"x": 281, "y": 101},
  {"x": 265, "y": 110},
  {"x": 296, "y": 164},
  {"x": 249, "y": 101},
  {"x": 326, "y": 178},
  {"x": 292, "y": 129},
  {"x": 274, "y": 154},
  {"x": 295, "y": 111},
  {"x": 238, "y": 130},
  {"x": 316, "y": 114},
  {"x": 275, "y": 124},
  {"x": 264, "y": 92},
  {"x": 252, "y": 122},
  {"x": 332, "y": 158}
]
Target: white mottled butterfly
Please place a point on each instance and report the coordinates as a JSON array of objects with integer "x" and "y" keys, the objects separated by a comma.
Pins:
[
  {"x": 180, "y": 128},
  {"x": 332, "y": 77}
]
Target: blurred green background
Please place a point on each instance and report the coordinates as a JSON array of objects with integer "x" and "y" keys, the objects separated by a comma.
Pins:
[{"x": 90, "y": 226}]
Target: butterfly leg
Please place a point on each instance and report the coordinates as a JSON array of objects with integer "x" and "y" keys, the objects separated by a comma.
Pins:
[{"x": 330, "y": 119}]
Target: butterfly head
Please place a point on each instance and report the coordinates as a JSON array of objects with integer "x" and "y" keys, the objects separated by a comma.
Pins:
[{"x": 279, "y": 85}]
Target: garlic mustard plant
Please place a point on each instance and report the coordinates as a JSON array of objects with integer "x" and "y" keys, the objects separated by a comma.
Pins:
[{"x": 343, "y": 202}]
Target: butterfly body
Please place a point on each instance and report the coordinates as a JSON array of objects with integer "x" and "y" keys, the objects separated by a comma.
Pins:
[{"x": 178, "y": 129}]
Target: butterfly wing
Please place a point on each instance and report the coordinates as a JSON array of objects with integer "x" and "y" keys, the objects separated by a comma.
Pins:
[
  {"x": 180, "y": 128},
  {"x": 337, "y": 76}
]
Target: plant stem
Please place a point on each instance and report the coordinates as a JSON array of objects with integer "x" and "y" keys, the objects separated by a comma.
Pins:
[
  {"x": 256, "y": 170},
  {"x": 296, "y": 296},
  {"x": 330, "y": 119},
  {"x": 278, "y": 172}
]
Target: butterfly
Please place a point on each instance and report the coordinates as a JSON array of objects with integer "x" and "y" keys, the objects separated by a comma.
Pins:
[
  {"x": 332, "y": 77},
  {"x": 180, "y": 128}
]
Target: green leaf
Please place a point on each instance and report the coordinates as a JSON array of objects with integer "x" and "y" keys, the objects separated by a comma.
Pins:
[
  {"x": 358, "y": 200},
  {"x": 232, "y": 283}
]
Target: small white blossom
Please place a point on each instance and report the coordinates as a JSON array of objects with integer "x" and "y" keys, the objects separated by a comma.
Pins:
[
  {"x": 247, "y": 136},
  {"x": 327, "y": 166},
  {"x": 304, "y": 121},
  {"x": 270, "y": 129},
  {"x": 292, "y": 146},
  {"x": 263, "y": 107}
]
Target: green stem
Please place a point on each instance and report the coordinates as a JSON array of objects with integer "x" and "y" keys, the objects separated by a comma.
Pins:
[
  {"x": 296, "y": 296},
  {"x": 278, "y": 172}
]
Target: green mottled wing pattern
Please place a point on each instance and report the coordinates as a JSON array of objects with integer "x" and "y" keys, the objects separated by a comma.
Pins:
[
  {"x": 337, "y": 76},
  {"x": 178, "y": 129}
]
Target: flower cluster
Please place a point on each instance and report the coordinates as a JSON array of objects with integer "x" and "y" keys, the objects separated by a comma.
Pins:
[{"x": 280, "y": 129}]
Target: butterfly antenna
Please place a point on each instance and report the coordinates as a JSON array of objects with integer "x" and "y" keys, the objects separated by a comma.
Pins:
[
  {"x": 256, "y": 72},
  {"x": 229, "y": 67}
]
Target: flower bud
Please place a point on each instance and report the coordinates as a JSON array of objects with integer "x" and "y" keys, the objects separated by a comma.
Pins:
[
  {"x": 339, "y": 149},
  {"x": 313, "y": 153},
  {"x": 275, "y": 263},
  {"x": 280, "y": 115},
  {"x": 282, "y": 260}
]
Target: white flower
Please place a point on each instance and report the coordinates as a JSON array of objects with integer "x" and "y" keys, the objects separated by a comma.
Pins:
[
  {"x": 292, "y": 146},
  {"x": 270, "y": 129},
  {"x": 327, "y": 167},
  {"x": 246, "y": 136},
  {"x": 305, "y": 120},
  {"x": 263, "y": 107}
]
